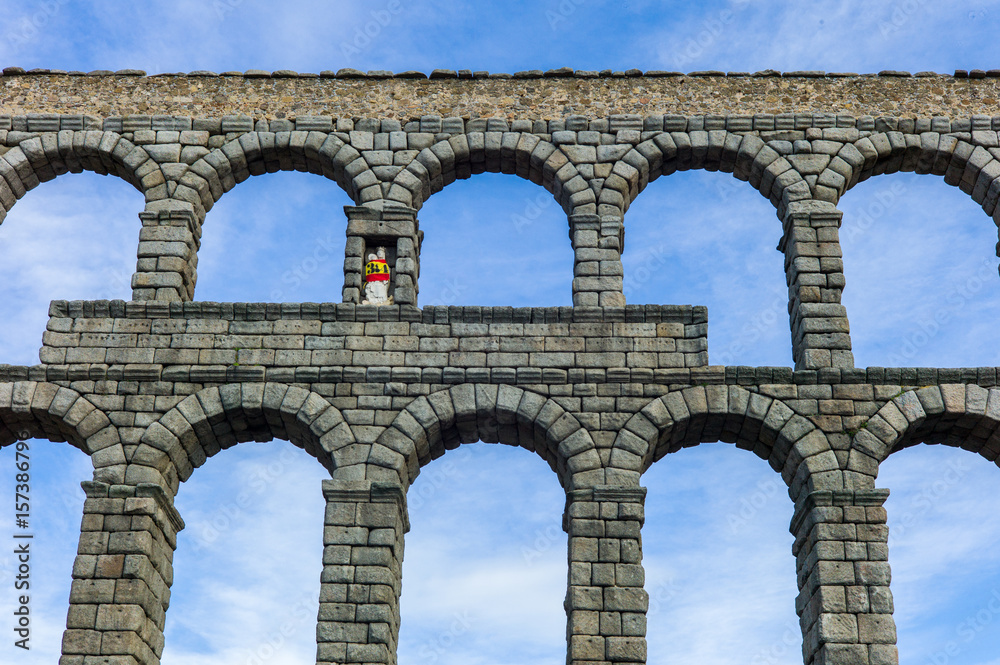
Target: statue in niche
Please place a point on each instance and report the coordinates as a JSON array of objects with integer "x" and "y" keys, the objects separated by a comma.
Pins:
[{"x": 377, "y": 279}]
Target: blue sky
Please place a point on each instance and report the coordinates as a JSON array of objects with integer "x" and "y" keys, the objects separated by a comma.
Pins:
[{"x": 485, "y": 572}]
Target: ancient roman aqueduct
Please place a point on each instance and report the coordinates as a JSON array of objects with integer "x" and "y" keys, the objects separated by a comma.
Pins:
[{"x": 152, "y": 387}]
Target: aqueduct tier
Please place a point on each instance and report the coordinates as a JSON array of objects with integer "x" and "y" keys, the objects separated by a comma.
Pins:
[{"x": 151, "y": 388}]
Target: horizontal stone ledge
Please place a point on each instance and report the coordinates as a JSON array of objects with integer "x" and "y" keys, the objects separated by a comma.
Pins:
[
  {"x": 144, "y": 129},
  {"x": 824, "y": 498},
  {"x": 910, "y": 377},
  {"x": 115, "y": 309}
]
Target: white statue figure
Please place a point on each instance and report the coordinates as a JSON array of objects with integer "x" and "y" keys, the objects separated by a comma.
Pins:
[{"x": 377, "y": 279}]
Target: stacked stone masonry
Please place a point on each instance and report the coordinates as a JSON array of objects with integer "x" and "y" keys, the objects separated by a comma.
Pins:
[{"x": 153, "y": 387}]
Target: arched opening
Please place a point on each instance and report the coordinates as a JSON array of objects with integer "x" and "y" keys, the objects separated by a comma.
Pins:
[
  {"x": 703, "y": 238},
  {"x": 719, "y": 570},
  {"x": 55, "y": 506},
  {"x": 72, "y": 238},
  {"x": 247, "y": 566},
  {"x": 278, "y": 238},
  {"x": 921, "y": 270},
  {"x": 943, "y": 543},
  {"x": 495, "y": 240},
  {"x": 484, "y": 574}
]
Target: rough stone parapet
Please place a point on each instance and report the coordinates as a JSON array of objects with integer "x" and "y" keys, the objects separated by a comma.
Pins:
[{"x": 355, "y": 94}]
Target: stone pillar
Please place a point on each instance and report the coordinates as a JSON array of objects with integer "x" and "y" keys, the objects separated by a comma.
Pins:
[
  {"x": 844, "y": 603},
  {"x": 606, "y": 603},
  {"x": 168, "y": 252},
  {"x": 122, "y": 576},
  {"x": 597, "y": 264},
  {"x": 394, "y": 227},
  {"x": 814, "y": 270},
  {"x": 362, "y": 570}
]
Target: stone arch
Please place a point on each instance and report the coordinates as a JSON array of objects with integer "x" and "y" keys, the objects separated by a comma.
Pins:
[
  {"x": 216, "y": 418},
  {"x": 44, "y": 156},
  {"x": 962, "y": 162},
  {"x": 789, "y": 442},
  {"x": 467, "y": 413},
  {"x": 518, "y": 153},
  {"x": 37, "y": 410},
  {"x": 257, "y": 153},
  {"x": 965, "y": 416},
  {"x": 746, "y": 156}
]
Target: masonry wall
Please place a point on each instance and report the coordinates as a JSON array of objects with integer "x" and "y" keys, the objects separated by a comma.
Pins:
[
  {"x": 552, "y": 94},
  {"x": 153, "y": 387}
]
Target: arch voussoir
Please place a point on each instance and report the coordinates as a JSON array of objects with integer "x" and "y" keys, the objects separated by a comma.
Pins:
[
  {"x": 215, "y": 418},
  {"x": 467, "y": 413},
  {"x": 789, "y": 442},
  {"x": 30, "y": 409},
  {"x": 460, "y": 156},
  {"x": 960, "y": 415}
]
